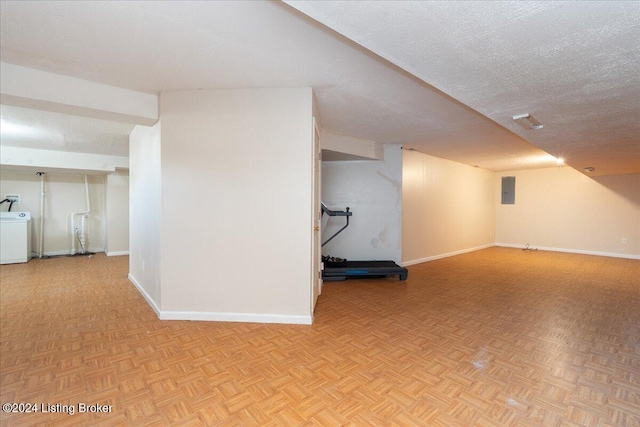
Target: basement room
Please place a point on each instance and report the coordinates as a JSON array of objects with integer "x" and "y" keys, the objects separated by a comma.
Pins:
[{"x": 298, "y": 213}]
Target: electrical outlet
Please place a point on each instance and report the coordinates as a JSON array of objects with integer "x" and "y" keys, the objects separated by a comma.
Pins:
[
  {"x": 15, "y": 198},
  {"x": 624, "y": 241}
]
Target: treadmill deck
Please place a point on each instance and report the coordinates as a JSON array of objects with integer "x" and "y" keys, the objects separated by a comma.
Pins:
[{"x": 362, "y": 269}]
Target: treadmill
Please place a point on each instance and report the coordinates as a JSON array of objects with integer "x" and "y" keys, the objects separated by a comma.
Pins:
[{"x": 339, "y": 269}]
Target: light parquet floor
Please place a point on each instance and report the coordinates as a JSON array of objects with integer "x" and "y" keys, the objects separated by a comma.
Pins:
[{"x": 498, "y": 337}]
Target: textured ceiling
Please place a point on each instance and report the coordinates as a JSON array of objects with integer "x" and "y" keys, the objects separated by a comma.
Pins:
[
  {"x": 573, "y": 65},
  {"x": 375, "y": 76}
]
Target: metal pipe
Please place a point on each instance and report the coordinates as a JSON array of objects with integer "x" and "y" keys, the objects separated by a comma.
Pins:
[{"x": 42, "y": 197}]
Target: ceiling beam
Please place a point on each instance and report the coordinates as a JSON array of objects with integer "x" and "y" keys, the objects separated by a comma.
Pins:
[
  {"x": 353, "y": 148},
  {"x": 30, "y": 159},
  {"x": 40, "y": 90}
]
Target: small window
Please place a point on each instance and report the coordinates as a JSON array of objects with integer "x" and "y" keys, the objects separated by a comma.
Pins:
[{"x": 508, "y": 190}]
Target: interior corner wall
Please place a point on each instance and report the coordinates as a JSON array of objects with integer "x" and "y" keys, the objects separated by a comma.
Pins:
[
  {"x": 237, "y": 217},
  {"x": 117, "y": 213},
  {"x": 372, "y": 189},
  {"x": 562, "y": 209},
  {"x": 447, "y": 208},
  {"x": 64, "y": 194},
  {"x": 144, "y": 212}
]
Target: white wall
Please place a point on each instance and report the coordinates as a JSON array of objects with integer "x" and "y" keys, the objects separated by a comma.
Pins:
[
  {"x": 373, "y": 191},
  {"x": 448, "y": 208},
  {"x": 117, "y": 214},
  {"x": 65, "y": 194},
  {"x": 237, "y": 217},
  {"x": 562, "y": 209},
  {"x": 144, "y": 235}
]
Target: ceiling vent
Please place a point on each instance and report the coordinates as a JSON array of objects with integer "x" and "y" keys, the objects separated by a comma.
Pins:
[{"x": 528, "y": 122}]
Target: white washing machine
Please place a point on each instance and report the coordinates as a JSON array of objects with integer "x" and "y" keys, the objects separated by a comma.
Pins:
[{"x": 15, "y": 237}]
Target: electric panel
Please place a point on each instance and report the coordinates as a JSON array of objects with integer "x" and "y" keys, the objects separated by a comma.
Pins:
[{"x": 508, "y": 190}]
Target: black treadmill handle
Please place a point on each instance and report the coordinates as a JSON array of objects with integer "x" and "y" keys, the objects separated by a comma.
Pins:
[
  {"x": 345, "y": 213},
  {"x": 329, "y": 212}
]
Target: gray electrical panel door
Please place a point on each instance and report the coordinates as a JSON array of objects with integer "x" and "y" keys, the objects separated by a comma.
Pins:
[{"x": 508, "y": 190}]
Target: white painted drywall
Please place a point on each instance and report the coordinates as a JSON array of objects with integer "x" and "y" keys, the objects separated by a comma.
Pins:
[
  {"x": 448, "y": 208},
  {"x": 237, "y": 217},
  {"x": 372, "y": 189},
  {"x": 64, "y": 194},
  {"x": 562, "y": 209},
  {"x": 64, "y": 161},
  {"x": 144, "y": 211},
  {"x": 117, "y": 213}
]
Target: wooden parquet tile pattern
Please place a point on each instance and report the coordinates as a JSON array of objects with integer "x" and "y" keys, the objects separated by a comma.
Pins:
[{"x": 498, "y": 337}]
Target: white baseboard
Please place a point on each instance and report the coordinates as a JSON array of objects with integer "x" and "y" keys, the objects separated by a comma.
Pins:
[
  {"x": 146, "y": 296},
  {"x": 117, "y": 253},
  {"x": 220, "y": 317},
  {"x": 447, "y": 255},
  {"x": 571, "y": 251},
  {"x": 236, "y": 317}
]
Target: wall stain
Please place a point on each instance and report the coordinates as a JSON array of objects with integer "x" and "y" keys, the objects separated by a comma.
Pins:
[
  {"x": 396, "y": 184},
  {"x": 381, "y": 239},
  {"x": 393, "y": 182}
]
